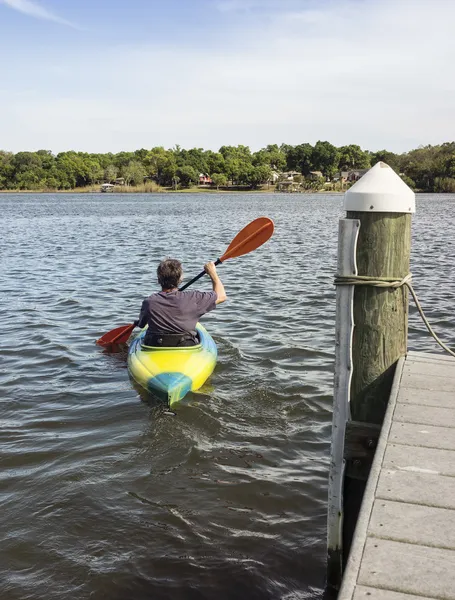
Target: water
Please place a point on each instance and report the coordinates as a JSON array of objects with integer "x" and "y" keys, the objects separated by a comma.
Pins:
[{"x": 103, "y": 495}]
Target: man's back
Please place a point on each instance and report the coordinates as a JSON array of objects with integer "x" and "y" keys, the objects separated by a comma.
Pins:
[{"x": 175, "y": 312}]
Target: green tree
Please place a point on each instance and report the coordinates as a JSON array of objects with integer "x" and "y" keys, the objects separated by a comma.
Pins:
[
  {"x": 325, "y": 158},
  {"x": 134, "y": 173},
  {"x": 195, "y": 158},
  {"x": 187, "y": 175},
  {"x": 242, "y": 153},
  {"x": 391, "y": 159},
  {"x": 110, "y": 173},
  {"x": 94, "y": 170},
  {"x": 408, "y": 181},
  {"x": 271, "y": 156},
  {"x": 215, "y": 162},
  {"x": 161, "y": 165},
  {"x": 6, "y": 169},
  {"x": 219, "y": 179},
  {"x": 259, "y": 175},
  {"x": 353, "y": 157},
  {"x": 298, "y": 158}
]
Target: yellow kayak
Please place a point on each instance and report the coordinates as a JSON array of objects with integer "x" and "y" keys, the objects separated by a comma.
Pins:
[{"x": 172, "y": 372}]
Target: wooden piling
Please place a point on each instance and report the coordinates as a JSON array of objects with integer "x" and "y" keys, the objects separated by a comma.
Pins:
[
  {"x": 382, "y": 204},
  {"x": 380, "y": 314}
]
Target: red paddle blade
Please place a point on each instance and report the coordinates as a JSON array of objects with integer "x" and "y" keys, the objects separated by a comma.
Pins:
[
  {"x": 119, "y": 335},
  {"x": 251, "y": 237}
]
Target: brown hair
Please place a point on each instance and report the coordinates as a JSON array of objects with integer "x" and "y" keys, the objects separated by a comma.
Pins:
[{"x": 169, "y": 273}]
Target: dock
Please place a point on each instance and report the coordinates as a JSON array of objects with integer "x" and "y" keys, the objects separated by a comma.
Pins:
[{"x": 404, "y": 542}]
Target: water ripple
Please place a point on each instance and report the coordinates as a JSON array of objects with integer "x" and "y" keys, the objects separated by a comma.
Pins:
[{"x": 104, "y": 496}]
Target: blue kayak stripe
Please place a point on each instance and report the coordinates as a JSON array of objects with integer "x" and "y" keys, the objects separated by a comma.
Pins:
[{"x": 175, "y": 385}]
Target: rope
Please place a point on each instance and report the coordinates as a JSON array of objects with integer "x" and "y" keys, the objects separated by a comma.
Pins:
[{"x": 388, "y": 282}]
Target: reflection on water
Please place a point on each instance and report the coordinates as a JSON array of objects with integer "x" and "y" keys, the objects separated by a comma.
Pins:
[{"x": 104, "y": 495}]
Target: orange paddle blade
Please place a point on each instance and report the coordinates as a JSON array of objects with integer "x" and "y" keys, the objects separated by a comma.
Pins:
[
  {"x": 251, "y": 237},
  {"x": 119, "y": 335}
]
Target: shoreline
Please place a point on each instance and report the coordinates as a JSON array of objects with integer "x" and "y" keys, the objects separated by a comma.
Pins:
[
  {"x": 170, "y": 191},
  {"x": 188, "y": 191}
]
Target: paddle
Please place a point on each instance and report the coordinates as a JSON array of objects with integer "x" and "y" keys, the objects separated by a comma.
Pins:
[
  {"x": 119, "y": 335},
  {"x": 252, "y": 236},
  {"x": 248, "y": 239}
]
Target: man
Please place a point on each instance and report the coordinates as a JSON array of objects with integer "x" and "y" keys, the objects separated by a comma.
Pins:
[{"x": 172, "y": 315}]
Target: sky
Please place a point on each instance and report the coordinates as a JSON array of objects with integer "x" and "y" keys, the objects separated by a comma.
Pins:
[{"x": 112, "y": 75}]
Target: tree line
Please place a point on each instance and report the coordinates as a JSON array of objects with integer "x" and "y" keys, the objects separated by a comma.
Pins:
[{"x": 428, "y": 168}]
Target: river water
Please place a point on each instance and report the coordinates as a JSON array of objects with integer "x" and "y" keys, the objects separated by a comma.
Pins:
[{"x": 103, "y": 495}]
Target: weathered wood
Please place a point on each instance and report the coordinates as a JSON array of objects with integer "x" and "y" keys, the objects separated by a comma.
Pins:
[
  {"x": 382, "y": 203},
  {"x": 361, "y": 440},
  {"x": 380, "y": 335},
  {"x": 380, "y": 314},
  {"x": 346, "y": 266},
  {"x": 360, "y": 445}
]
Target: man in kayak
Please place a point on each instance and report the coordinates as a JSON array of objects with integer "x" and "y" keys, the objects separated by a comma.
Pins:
[{"x": 172, "y": 315}]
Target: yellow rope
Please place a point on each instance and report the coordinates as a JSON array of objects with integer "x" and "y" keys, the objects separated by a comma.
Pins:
[{"x": 388, "y": 282}]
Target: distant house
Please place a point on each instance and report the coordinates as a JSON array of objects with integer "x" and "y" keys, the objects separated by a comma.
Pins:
[
  {"x": 289, "y": 175},
  {"x": 274, "y": 176},
  {"x": 341, "y": 176},
  {"x": 355, "y": 174},
  {"x": 351, "y": 176},
  {"x": 314, "y": 175},
  {"x": 205, "y": 179},
  {"x": 119, "y": 181}
]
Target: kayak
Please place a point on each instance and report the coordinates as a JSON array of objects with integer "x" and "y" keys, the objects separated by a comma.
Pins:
[{"x": 172, "y": 372}]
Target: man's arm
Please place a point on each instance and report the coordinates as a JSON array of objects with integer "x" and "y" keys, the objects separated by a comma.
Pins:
[
  {"x": 143, "y": 317},
  {"x": 218, "y": 287}
]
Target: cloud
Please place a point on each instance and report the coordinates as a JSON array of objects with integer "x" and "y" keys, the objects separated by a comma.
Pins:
[
  {"x": 227, "y": 6},
  {"x": 376, "y": 74},
  {"x": 35, "y": 10}
]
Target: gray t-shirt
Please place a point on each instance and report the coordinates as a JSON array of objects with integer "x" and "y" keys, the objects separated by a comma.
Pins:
[{"x": 175, "y": 312}]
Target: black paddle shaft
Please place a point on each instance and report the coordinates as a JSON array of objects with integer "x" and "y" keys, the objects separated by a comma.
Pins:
[{"x": 217, "y": 262}]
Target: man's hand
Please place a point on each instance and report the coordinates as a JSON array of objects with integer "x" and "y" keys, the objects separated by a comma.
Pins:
[{"x": 210, "y": 269}]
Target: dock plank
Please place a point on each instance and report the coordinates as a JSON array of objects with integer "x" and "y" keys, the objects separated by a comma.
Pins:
[
  {"x": 404, "y": 543},
  {"x": 426, "y": 398},
  {"x": 433, "y": 369},
  {"x": 408, "y": 568},
  {"x": 368, "y": 593},
  {"x": 415, "y": 355},
  {"x": 440, "y": 417},
  {"x": 425, "y": 436},
  {"x": 420, "y": 460},
  {"x": 427, "y": 382},
  {"x": 413, "y": 524},
  {"x": 418, "y": 488}
]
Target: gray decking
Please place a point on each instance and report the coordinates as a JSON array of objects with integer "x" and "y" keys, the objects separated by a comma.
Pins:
[{"x": 404, "y": 544}]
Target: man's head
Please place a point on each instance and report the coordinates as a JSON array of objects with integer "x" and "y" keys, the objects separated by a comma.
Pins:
[{"x": 169, "y": 273}]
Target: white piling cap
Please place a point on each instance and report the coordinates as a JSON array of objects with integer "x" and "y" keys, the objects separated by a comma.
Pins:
[{"x": 380, "y": 190}]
